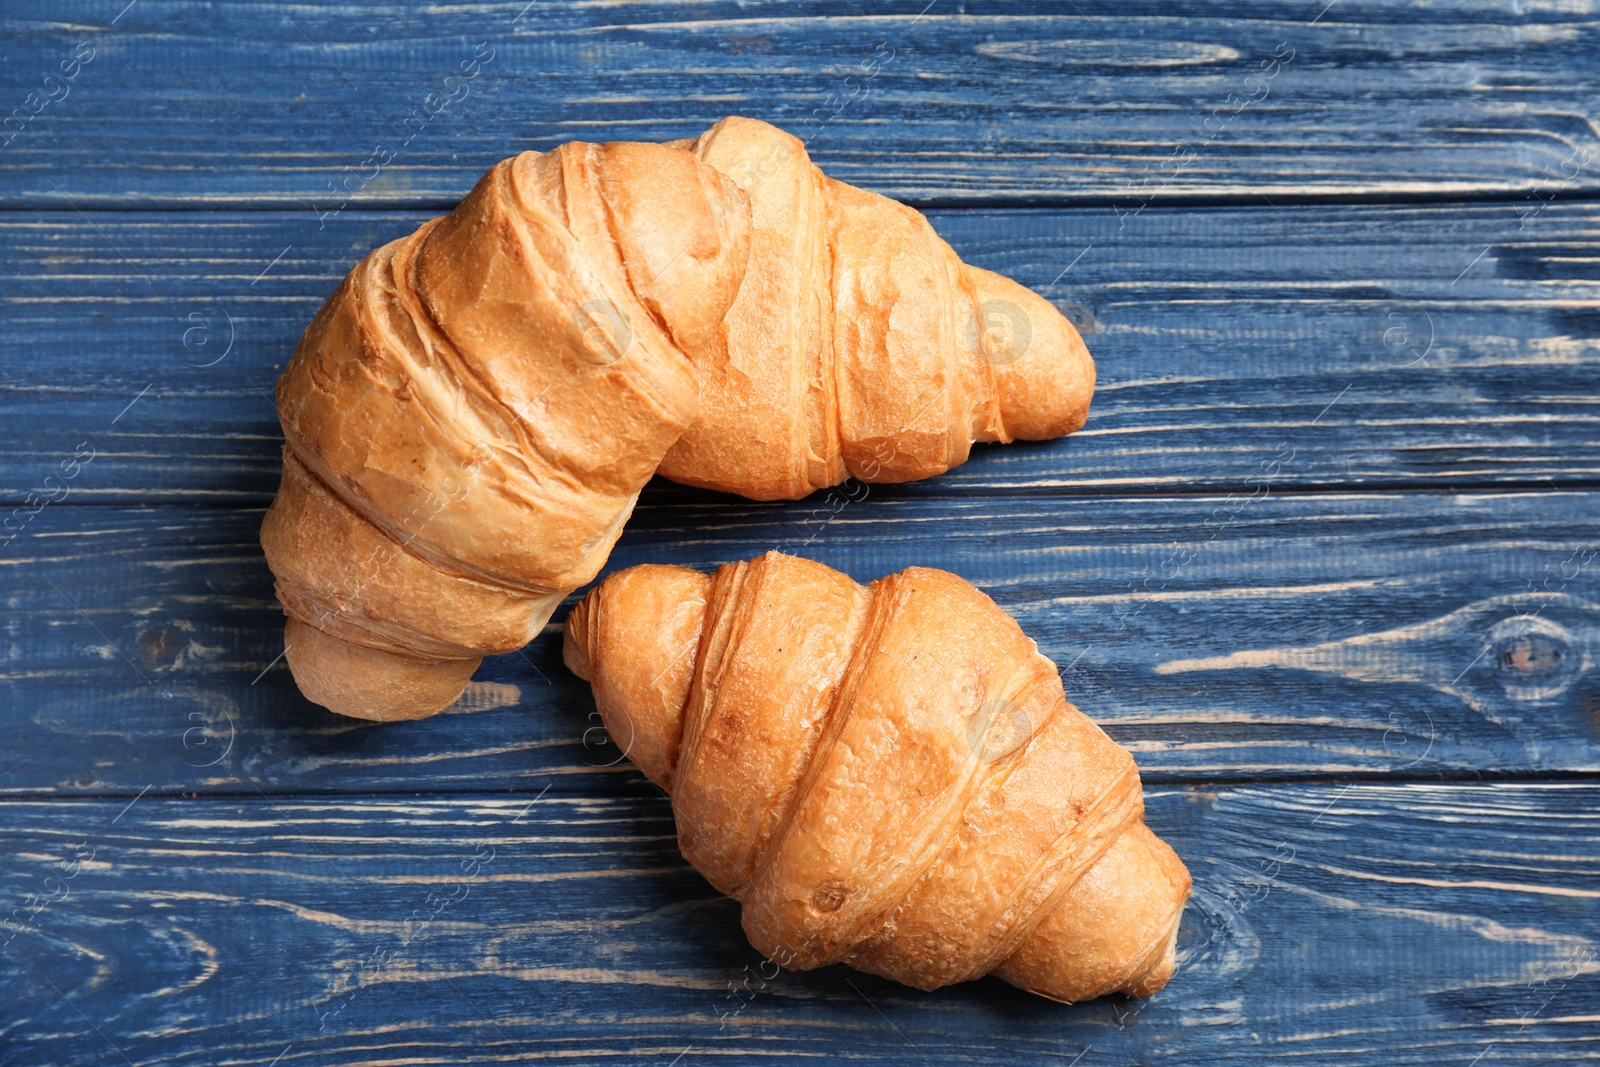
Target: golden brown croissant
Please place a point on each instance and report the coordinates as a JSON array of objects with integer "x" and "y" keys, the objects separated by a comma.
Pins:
[
  {"x": 888, "y": 776},
  {"x": 860, "y": 344},
  {"x": 469, "y": 419}
]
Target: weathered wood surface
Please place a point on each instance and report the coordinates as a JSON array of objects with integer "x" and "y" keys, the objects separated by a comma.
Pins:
[
  {"x": 143, "y": 643},
  {"x": 323, "y": 104},
  {"x": 1340, "y": 346},
  {"x": 1220, "y": 562},
  {"x": 1330, "y": 925}
]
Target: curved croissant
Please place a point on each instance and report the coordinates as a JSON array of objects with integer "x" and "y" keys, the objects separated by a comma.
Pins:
[
  {"x": 860, "y": 344},
  {"x": 888, "y": 776},
  {"x": 470, "y": 418}
]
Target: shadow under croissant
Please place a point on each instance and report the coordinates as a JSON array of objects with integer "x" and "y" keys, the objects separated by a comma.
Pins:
[{"x": 889, "y": 835}]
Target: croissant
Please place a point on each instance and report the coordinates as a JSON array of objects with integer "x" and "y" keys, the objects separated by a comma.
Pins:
[
  {"x": 470, "y": 417},
  {"x": 888, "y": 776},
  {"x": 860, "y": 344}
]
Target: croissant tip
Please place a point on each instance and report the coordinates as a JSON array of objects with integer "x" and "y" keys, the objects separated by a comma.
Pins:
[
  {"x": 575, "y": 638},
  {"x": 370, "y": 683},
  {"x": 1160, "y": 973}
]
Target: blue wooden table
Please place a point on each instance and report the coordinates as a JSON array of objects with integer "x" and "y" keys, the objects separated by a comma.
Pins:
[{"x": 1324, "y": 557}]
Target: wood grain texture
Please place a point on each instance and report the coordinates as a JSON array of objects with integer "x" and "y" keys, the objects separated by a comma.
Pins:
[
  {"x": 142, "y": 644},
  {"x": 1336, "y": 346},
  {"x": 1331, "y": 531},
  {"x": 1330, "y": 924},
  {"x": 301, "y": 104}
]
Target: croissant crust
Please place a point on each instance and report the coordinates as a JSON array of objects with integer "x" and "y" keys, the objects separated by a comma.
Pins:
[
  {"x": 470, "y": 417},
  {"x": 888, "y": 776},
  {"x": 860, "y": 344}
]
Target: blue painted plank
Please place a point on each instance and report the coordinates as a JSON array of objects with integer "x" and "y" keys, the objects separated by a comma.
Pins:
[
  {"x": 327, "y": 104},
  {"x": 1363, "y": 924},
  {"x": 141, "y": 646},
  {"x": 1250, "y": 634},
  {"x": 1348, "y": 346}
]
